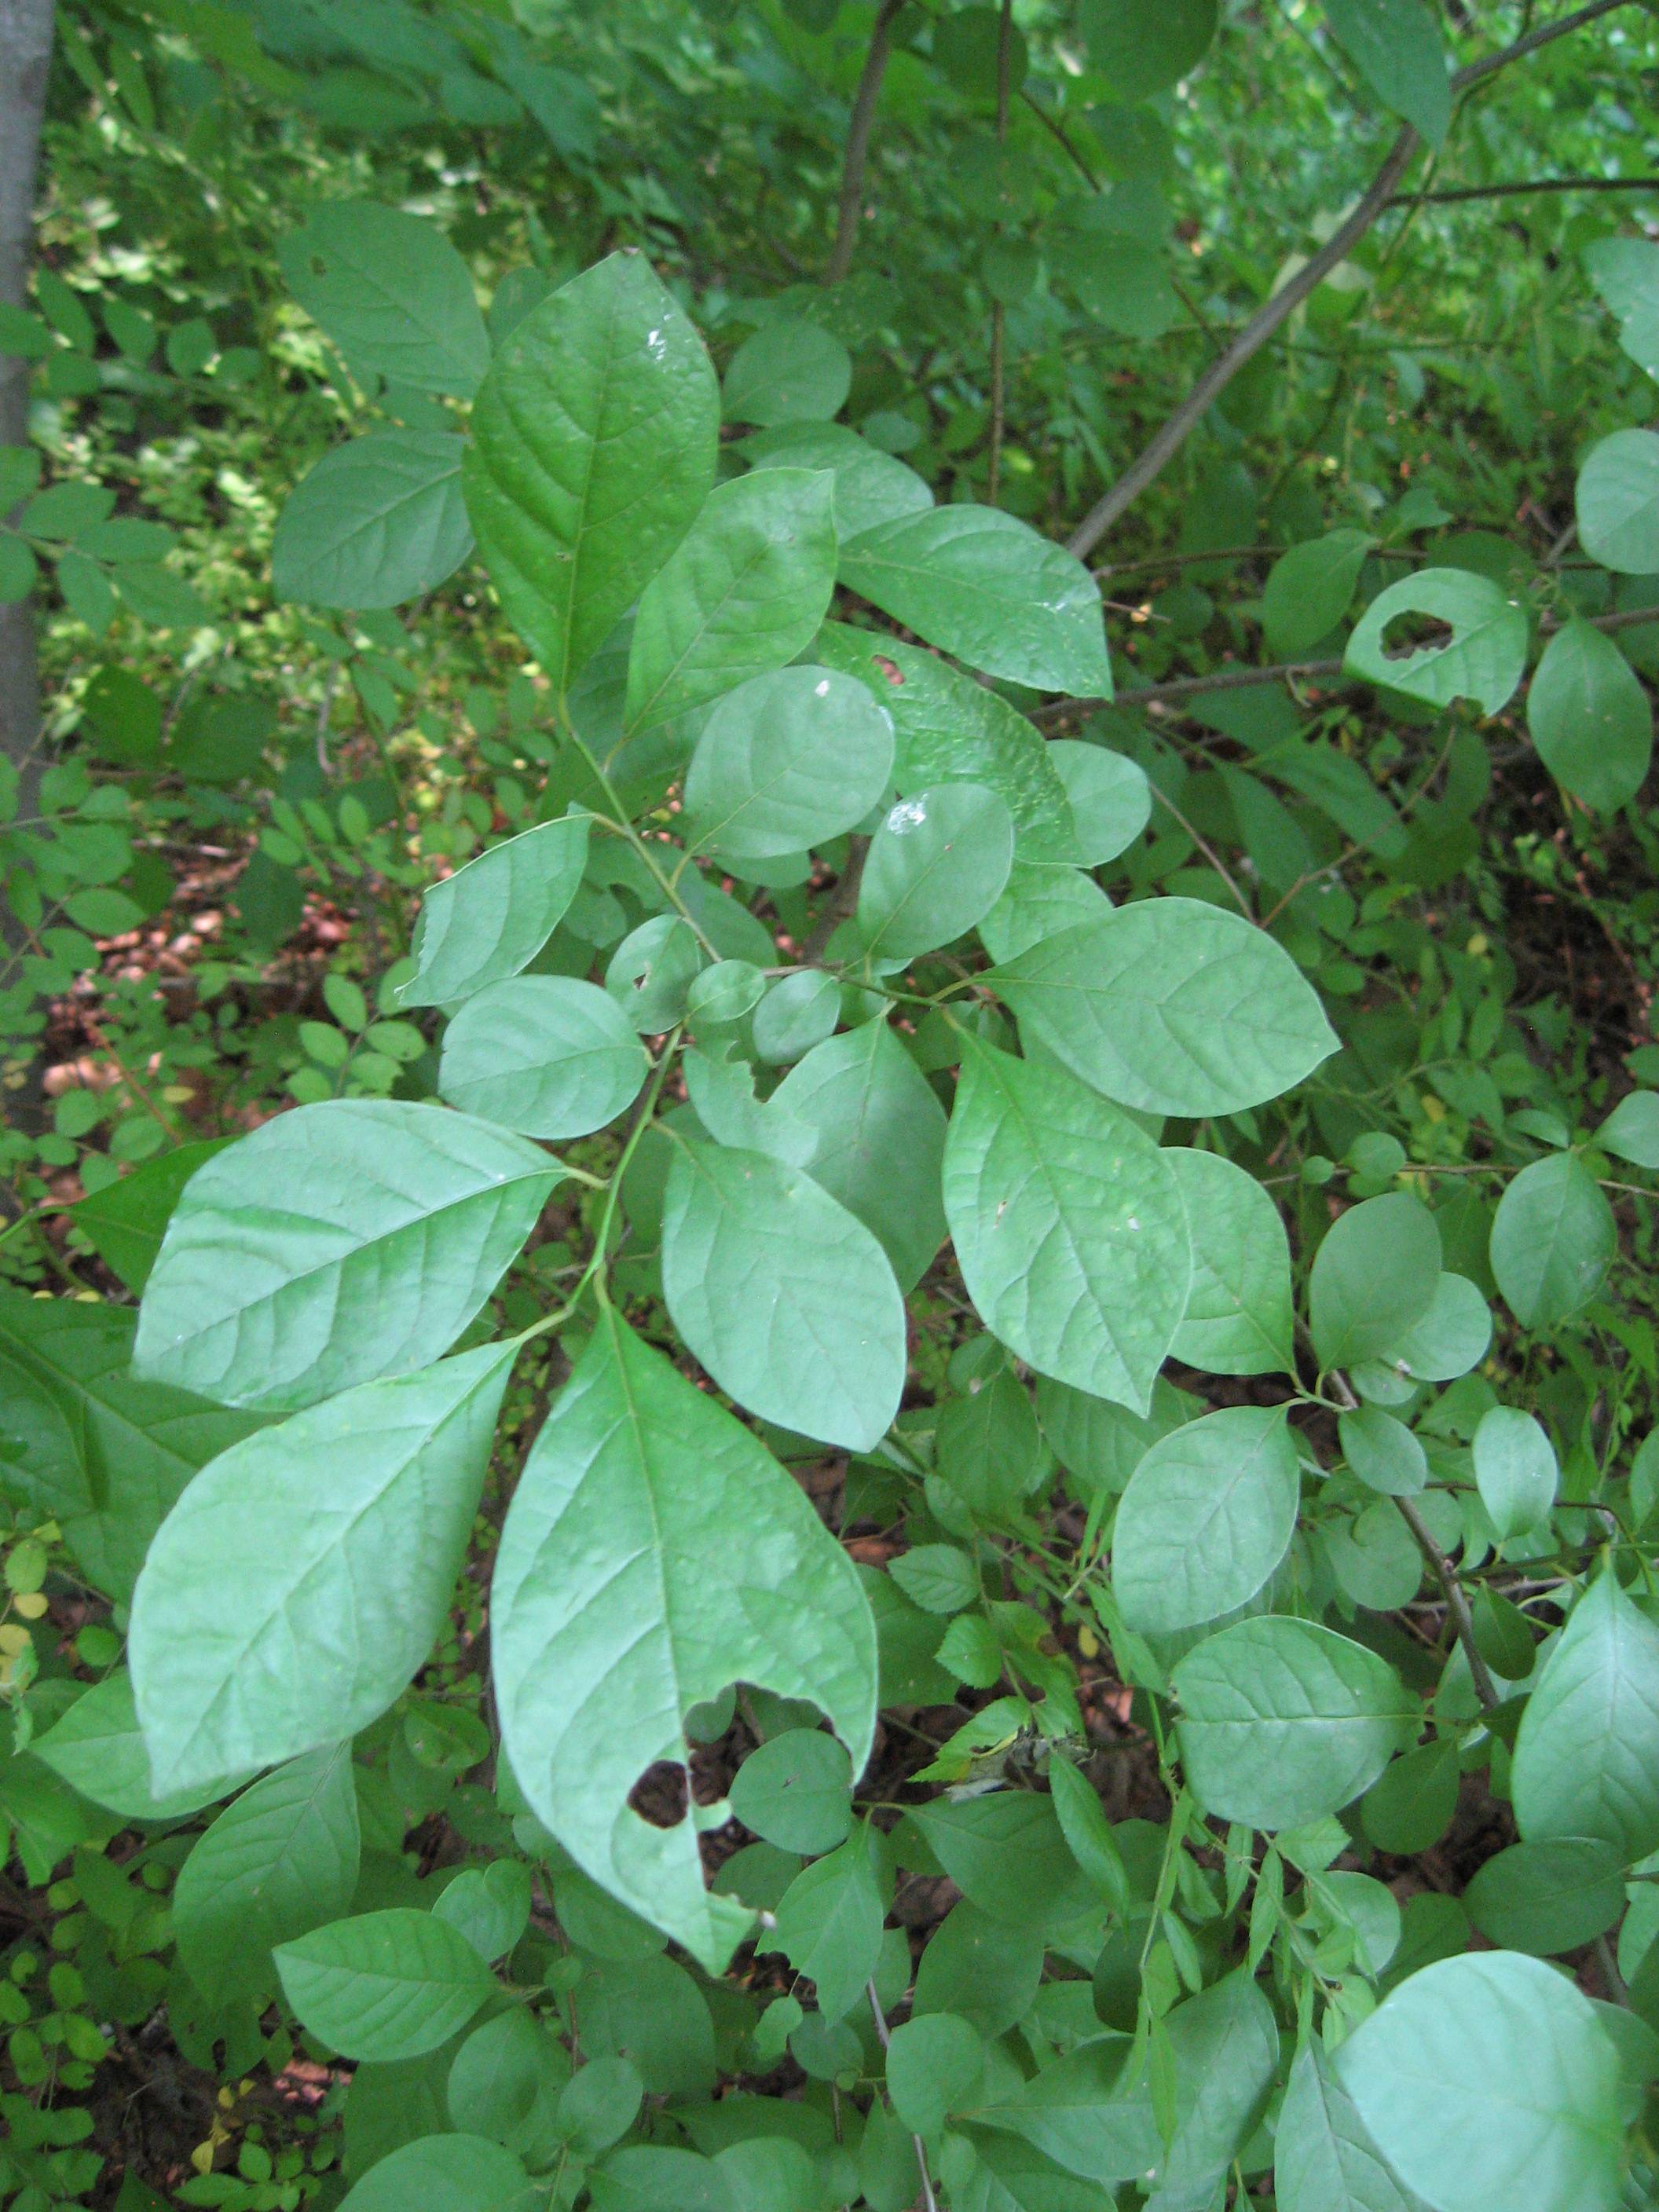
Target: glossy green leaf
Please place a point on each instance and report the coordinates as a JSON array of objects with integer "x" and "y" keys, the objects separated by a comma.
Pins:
[
  {"x": 1552, "y": 1241},
  {"x": 786, "y": 761},
  {"x": 1172, "y": 1005},
  {"x": 936, "y": 866},
  {"x": 378, "y": 520},
  {"x": 1373, "y": 1278},
  {"x": 788, "y": 372},
  {"x": 1514, "y": 1470},
  {"x": 1309, "y": 589},
  {"x": 490, "y": 1904},
  {"x": 1283, "y": 1721},
  {"x": 300, "y": 1580},
  {"x": 1487, "y": 2079},
  {"x": 491, "y": 918},
  {"x": 1396, "y": 46},
  {"x": 1483, "y": 659},
  {"x": 1618, "y": 503},
  {"x": 392, "y": 294},
  {"x": 1238, "y": 1319},
  {"x": 1323, "y": 2159},
  {"x": 988, "y": 588},
  {"x": 593, "y": 442},
  {"x": 743, "y": 591},
  {"x": 1549, "y": 1896},
  {"x": 1069, "y": 1226},
  {"x": 1587, "y": 1757},
  {"x": 949, "y": 729},
  {"x": 1206, "y": 1518},
  {"x": 1224, "y": 2041},
  {"x": 795, "y": 1790},
  {"x": 1039, "y": 901},
  {"x": 545, "y": 1055},
  {"x": 384, "y": 1985},
  {"x": 461, "y": 2172},
  {"x": 784, "y": 1295},
  {"x": 1589, "y": 718},
  {"x": 654, "y": 1553},
  {"x": 798, "y": 1011},
  {"x": 281, "y": 1860},
  {"x": 871, "y": 487},
  {"x": 335, "y": 1245},
  {"x": 98, "y": 1749}
]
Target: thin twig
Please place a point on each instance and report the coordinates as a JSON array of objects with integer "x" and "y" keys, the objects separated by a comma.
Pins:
[
  {"x": 999, "y": 313},
  {"x": 1456, "y": 1604},
  {"x": 1539, "y": 184},
  {"x": 841, "y": 902},
  {"x": 928, "y": 2196},
  {"x": 859, "y": 126},
  {"x": 1208, "y": 850}
]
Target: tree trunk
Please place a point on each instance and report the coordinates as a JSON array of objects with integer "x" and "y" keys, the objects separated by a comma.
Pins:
[{"x": 25, "y": 59}]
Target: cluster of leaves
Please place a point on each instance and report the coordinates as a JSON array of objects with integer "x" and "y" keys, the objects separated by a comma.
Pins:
[{"x": 1101, "y": 1178}]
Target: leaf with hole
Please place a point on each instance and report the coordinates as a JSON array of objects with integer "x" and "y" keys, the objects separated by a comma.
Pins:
[{"x": 1483, "y": 659}]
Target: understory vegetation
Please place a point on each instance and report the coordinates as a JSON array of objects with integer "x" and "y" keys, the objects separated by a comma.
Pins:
[{"x": 828, "y": 1361}]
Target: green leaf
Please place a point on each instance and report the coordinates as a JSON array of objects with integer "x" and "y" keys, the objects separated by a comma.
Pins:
[
  {"x": 743, "y": 591},
  {"x": 592, "y": 449},
  {"x": 279, "y": 1861},
  {"x": 1514, "y": 1470},
  {"x": 949, "y": 729},
  {"x": 1483, "y": 659},
  {"x": 85, "y": 1444},
  {"x": 796, "y": 1791},
  {"x": 1396, "y": 46},
  {"x": 336, "y": 1244},
  {"x": 1412, "y": 1804},
  {"x": 786, "y": 761},
  {"x": 651, "y": 972},
  {"x": 1208, "y": 1516},
  {"x": 936, "y": 866},
  {"x": 384, "y": 1985},
  {"x": 1309, "y": 588},
  {"x": 598, "y": 2104},
  {"x": 654, "y": 1553},
  {"x": 1110, "y": 798},
  {"x": 1283, "y": 1721},
  {"x": 1239, "y": 1319},
  {"x": 935, "y": 2065},
  {"x": 1618, "y": 503},
  {"x": 1008, "y": 1853},
  {"x": 1323, "y": 2159},
  {"x": 377, "y": 521},
  {"x": 787, "y": 371},
  {"x": 491, "y": 918},
  {"x": 123, "y": 1222},
  {"x": 545, "y": 1055},
  {"x": 1226, "y": 2044},
  {"x": 1552, "y": 1240},
  {"x": 1143, "y": 47},
  {"x": 392, "y": 294},
  {"x": 642, "y": 2178},
  {"x": 98, "y": 1749},
  {"x": 1589, "y": 718},
  {"x": 1382, "y": 1452},
  {"x": 784, "y": 1295},
  {"x": 1373, "y": 1278},
  {"x": 988, "y": 589},
  {"x": 1487, "y": 2080},
  {"x": 1550, "y": 1896},
  {"x": 1069, "y": 1226},
  {"x": 1088, "y": 1832},
  {"x": 490, "y": 1904},
  {"x": 1084, "y": 2110},
  {"x": 1040, "y": 900},
  {"x": 1625, "y": 272},
  {"x": 299, "y": 1581},
  {"x": 1449, "y": 1337},
  {"x": 937, "y": 1576},
  {"x": 1631, "y": 1130},
  {"x": 798, "y": 1011},
  {"x": 871, "y": 487},
  {"x": 828, "y": 1926},
  {"x": 462, "y": 2173},
  {"x": 1587, "y": 1757},
  {"x": 1172, "y": 1005}
]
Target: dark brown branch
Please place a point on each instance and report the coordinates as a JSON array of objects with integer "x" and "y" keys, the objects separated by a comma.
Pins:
[
  {"x": 1541, "y": 185},
  {"x": 1277, "y": 310},
  {"x": 859, "y": 128},
  {"x": 1457, "y": 1606}
]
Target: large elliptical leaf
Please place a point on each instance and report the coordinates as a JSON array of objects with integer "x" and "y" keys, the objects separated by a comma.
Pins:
[
  {"x": 593, "y": 442},
  {"x": 784, "y": 1295},
  {"x": 335, "y": 1245},
  {"x": 1484, "y": 658},
  {"x": 787, "y": 760},
  {"x": 1589, "y": 718},
  {"x": 988, "y": 589},
  {"x": 1172, "y": 1005},
  {"x": 299, "y": 1582},
  {"x": 1207, "y": 1517},
  {"x": 280, "y": 1861},
  {"x": 1069, "y": 1226},
  {"x": 392, "y": 292},
  {"x": 545, "y": 1055},
  {"x": 1323, "y": 2159},
  {"x": 1396, "y": 46},
  {"x": 745, "y": 591},
  {"x": 1239, "y": 1318},
  {"x": 99, "y": 1749},
  {"x": 1488, "y": 2080},
  {"x": 654, "y": 1553},
  {"x": 384, "y": 1986},
  {"x": 377, "y": 521},
  {"x": 492, "y": 917},
  {"x": 1553, "y": 1239},
  {"x": 1587, "y": 1757}
]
